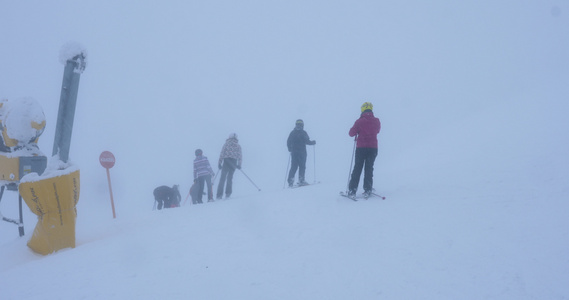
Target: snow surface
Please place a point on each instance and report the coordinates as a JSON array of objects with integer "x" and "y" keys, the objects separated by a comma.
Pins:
[{"x": 473, "y": 160}]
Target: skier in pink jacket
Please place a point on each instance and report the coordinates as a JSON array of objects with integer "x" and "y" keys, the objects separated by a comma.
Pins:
[{"x": 365, "y": 130}]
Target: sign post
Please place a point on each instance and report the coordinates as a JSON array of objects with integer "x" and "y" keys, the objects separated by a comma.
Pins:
[{"x": 107, "y": 160}]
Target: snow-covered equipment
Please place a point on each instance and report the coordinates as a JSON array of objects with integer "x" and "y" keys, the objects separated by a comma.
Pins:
[
  {"x": 22, "y": 121},
  {"x": 75, "y": 59},
  {"x": 53, "y": 196}
]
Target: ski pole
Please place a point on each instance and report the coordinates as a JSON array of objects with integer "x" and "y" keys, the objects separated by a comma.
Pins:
[
  {"x": 188, "y": 196},
  {"x": 245, "y": 176},
  {"x": 250, "y": 180},
  {"x": 214, "y": 177},
  {"x": 154, "y": 207},
  {"x": 351, "y": 164},
  {"x": 287, "y": 168},
  {"x": 314, "y": 155}
]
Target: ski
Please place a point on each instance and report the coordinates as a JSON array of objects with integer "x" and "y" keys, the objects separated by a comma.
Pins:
[
  {"x": 356, "y": 198},
  {"x": 344, "y": 194},
  {"x": 302, "y": 185},
  {"x": 298, "y": 186}
]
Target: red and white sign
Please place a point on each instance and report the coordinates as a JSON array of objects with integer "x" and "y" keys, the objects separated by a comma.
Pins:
[{"x": 107, "y": 159}]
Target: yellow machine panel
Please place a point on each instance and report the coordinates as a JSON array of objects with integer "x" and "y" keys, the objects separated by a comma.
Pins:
[
  {"x": 9, "y": 168},
  {"x": 53, "y": 200},
  {"x": 14, "y": 168}
]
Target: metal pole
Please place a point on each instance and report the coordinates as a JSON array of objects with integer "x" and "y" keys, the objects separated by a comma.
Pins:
[
  {"x": 214, "y": 177},
  {"x": 67, "y": 103},
  {"x": 21, "y": 225},
  {"x": 287, "y": 168},
  {"x": 351, "y": 164},
  {"x": 111, "y": 191},
  {"x": 250, "y": 180}
]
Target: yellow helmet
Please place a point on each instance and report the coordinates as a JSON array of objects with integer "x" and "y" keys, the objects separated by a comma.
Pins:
[{"x": 366, "y": 106}]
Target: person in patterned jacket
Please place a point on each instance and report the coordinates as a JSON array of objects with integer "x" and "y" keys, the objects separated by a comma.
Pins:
[
  {"x": 202, "y": 175},
  {"x": 229, "y": 159}
]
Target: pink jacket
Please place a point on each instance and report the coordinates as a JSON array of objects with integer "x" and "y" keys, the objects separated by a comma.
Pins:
[{"x": 366, "y": 128}]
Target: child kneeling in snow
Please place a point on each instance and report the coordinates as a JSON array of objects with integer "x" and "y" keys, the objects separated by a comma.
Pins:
[{"x": 167, "y": 197}]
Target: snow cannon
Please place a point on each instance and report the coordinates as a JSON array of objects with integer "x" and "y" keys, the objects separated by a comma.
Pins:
[
  {"x": 53, "y": 196},
  {"x": 21, "y": 123}
]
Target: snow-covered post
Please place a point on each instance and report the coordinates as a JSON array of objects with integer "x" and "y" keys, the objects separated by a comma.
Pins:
[{"x": 75, "y": 59}]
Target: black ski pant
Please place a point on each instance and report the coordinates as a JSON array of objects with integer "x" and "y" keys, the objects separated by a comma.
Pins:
[
  {"x": 297, "y": 161},
  {"x": 166, "y": 203},
  {"x": 204, "y": 180},
  {"x": 365, "y": 157},
  {"x": 227, "y": 171}
]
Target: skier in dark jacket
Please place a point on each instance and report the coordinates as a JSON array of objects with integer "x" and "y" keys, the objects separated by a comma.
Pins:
[
  {"x": 229, "y": 159},
  {"x": 297, "y": 141},
  {"x": 365, "y": 130},
  {"x": 167, "y": 197}
]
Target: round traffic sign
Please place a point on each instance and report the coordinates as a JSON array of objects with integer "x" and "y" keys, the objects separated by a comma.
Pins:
[{"x": 107, "y": 159}]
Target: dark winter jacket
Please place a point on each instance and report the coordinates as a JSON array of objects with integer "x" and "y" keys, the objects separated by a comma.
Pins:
[
  {"x": 170, "y": 196},
  {"x": 297, "y": 141},
  {"x": 366, "y": 128}
]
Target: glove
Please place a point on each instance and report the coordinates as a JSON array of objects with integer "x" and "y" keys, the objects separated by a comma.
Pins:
[
  {"x": 312, "y": 142},
  {"x": 219, "y": 166},
  {"x": 239, "y": 167},
  {"x": 196, "y": 180}
]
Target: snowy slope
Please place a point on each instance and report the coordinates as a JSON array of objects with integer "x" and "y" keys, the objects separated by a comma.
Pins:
[
  {"x": 473, "y": 160},
  {"x": 502, "y": 236}
]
